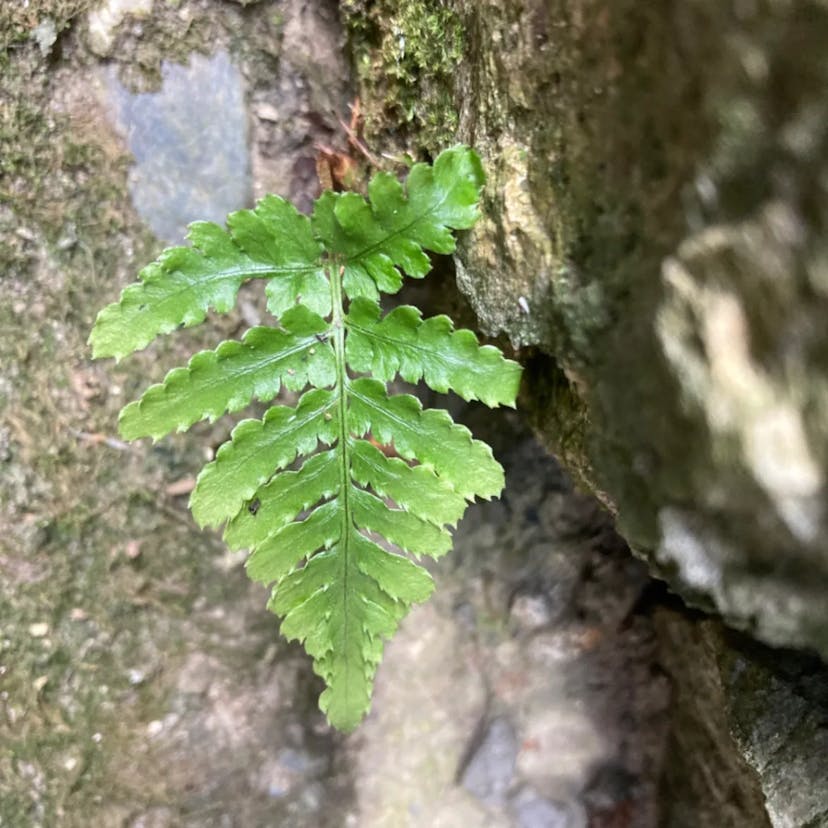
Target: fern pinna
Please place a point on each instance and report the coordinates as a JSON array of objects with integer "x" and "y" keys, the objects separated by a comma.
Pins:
[{"x": 335, "y": 535}]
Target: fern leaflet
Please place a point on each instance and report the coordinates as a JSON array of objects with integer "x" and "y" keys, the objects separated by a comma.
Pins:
[{"x": 337, "y": 535}]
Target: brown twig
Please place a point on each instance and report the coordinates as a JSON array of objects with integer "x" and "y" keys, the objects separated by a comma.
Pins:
[{"x": 99, "y": 439}]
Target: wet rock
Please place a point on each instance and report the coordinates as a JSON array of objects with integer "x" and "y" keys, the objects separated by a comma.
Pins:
[{"x": 490, "y": 769}]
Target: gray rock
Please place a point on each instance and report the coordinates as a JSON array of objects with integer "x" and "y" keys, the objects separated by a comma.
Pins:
[
  {"x": 534, "y": 811},
  {"x": 45, "y": 35},
  {"x": 190, "y": 144},
  {"x": 488, "y": 773},
  {"x": 707, "y": 779},
  {"x": 530, "y": 612},
  {"x": 778, "y": 708},
  {"x": 571, "y": 684},
  {"x": 104, "y": 20},
  {"x": 289, "y": 770},
  {"x": 655, "y": 222}
]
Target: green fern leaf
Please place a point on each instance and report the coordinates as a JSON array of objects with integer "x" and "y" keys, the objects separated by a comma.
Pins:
[
  {"x": 257, "y": 449},
  {"x": 402, "y": 343},
  {"x": 374, "y": 242},
  {"x": 178, "y": 289},
  {"x": 282, "y": 499},
  {"x": 416, "y": 488},
  {"x": 313, "y": 531},
  {"x": 429, "y": 436},
  {"x": 233, "y": 375}
]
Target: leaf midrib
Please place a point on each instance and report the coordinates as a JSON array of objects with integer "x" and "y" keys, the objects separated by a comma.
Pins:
[
  {"x": 341, "y": 390},
  {"x": 257, "y": 271},
  {"x": 264, "y": 363},
  {"x": 447, "y": 360}
]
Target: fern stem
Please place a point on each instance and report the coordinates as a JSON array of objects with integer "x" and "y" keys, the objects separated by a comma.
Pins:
[
  {"x": 338, "y": 325},
  {"x": 341, "y": 390}
]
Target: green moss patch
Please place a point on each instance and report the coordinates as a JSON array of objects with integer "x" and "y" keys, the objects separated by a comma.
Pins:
[{"x": 405, "y": 55}]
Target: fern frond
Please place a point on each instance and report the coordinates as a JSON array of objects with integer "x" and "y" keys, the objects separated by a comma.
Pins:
[
  {"x": 236, "y": 373},
  {"x": 342, "y": 614},
  {"x": 334, "y": 536},
  {"x": 280, "y": 552},
  {"x": 257, "y": 449},
  {"x": 280, "y": 500},
  {"x": 375, "y": 241},
  {"x": 429, "y": 436},
  {"x": 404, "y": 343},
  {"x": 184, "y": 283},
  {"x": 415, "y": 488}
]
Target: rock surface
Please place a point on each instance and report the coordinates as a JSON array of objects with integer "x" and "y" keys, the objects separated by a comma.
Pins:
[
  {"x": 655, "y": 223},
  {"x": 653, "y": 245},
  {"x": 189, "y": 141},
  {"x": 142, "y": 681},
  {"x": 516, "y": 718},
  {"x": 549, "y": 684},
  {"x": 772, "y": 703}
]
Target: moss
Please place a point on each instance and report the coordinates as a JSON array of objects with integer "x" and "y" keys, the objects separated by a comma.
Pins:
[
  {"x": 66, "y": 229},
  {"x": 18, "y": 19},
  {"x": 107, "y": 588},
  {"x": 405, "y": 56}
]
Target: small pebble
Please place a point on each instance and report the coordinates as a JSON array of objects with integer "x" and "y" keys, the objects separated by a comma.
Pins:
[
  {"x": 534, "y": 811},
  {"x": 489, "y": 772}
]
